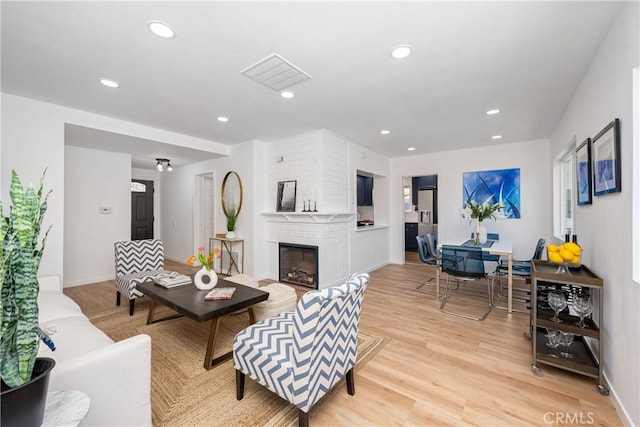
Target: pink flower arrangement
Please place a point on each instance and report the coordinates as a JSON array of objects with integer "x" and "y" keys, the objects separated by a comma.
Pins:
[{"x": 205, "y": 260}]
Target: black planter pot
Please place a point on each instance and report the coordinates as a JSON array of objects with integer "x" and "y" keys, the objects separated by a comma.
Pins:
[{"x": 24, "y": 405}]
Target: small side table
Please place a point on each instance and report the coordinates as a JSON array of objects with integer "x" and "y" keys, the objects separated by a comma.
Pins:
[
  {"x": 226, "y": 247},
  {"x": 65, "y": 408}
]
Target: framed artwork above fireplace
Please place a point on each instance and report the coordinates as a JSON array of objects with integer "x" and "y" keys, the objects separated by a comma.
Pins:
[{"x": 286, "y": 199}]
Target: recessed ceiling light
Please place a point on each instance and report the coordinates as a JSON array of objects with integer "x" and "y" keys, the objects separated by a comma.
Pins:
[
  {"x": 161, "y": 29},
  {"x": 109, "y": 83},
  {"x": 223, "y": 119},
  {"x": 492, "y": 112},
  {"x": 411, "y": 149},
  {"x": 400, "y": 52},
  {"x": 496, "y": 137},
  {"x": 384, "y": 132},
  {"x": 287, "y": 94}
]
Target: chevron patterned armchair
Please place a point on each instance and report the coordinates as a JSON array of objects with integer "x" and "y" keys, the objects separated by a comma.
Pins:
[
  {"x": 301, "y": 355},
  {"x": 136, "y": 261}
]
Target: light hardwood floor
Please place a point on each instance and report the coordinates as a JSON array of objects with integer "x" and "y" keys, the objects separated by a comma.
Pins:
[{"x": 437, "y": 369}]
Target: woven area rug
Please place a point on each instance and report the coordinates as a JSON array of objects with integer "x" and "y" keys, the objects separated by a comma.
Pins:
[{"x": 183, "y": 393}]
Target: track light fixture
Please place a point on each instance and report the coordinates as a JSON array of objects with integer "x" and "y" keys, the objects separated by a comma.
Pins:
[{"x": 160, "y": 164}]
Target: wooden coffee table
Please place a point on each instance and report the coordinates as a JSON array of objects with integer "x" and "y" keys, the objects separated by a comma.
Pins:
[{"x": 189, "y": 301}]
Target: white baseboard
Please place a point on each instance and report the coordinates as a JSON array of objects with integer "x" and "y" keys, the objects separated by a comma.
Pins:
[
  {"x": 87, "y": 281},
  {"x": 622, "y": 412}
]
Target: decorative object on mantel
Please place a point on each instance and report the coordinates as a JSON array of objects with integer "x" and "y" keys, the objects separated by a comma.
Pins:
[
  {"x": 286, "y": 197},
  {"x": 205, "y": 278},
  {"x": 606, "y": 160},
  {"x": 495, "y": 186},
  {"x": 480, "y": 212},
  {"x": 231, "y": 201},
  {"x": 25, "y": 378},
  {"x": 306, "y": 206}
]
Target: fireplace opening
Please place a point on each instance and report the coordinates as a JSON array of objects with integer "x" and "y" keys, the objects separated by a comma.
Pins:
[{"x": 298, "y": 264}]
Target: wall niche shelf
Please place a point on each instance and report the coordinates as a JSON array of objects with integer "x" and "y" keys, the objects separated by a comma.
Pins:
[{"x": 309, "y": 217}]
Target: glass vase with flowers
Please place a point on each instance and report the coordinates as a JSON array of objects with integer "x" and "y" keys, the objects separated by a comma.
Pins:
[{"x": 480, "y": 212}]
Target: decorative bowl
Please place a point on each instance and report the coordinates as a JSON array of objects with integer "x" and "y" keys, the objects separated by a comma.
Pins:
[{"x": 568, "y": 254}]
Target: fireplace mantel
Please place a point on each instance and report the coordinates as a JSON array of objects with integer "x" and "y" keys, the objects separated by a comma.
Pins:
[{"x": 309, "y": 217}]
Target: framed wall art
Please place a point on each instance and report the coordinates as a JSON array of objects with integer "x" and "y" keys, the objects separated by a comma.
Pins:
[
  {"x": 286, "y": 199},
  {"x": 493, "y": 186},
  {"x": 605, "y": 151},
  {"x": 583, "y": 172}
]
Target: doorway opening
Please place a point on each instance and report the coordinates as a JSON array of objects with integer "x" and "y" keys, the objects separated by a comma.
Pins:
[
  {"x": 420, "y": 210},
  {"x": 204, "y": 210}
]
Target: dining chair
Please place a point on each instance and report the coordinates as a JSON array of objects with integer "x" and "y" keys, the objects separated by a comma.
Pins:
[
  {"x": 428, "y": 255},
  {"x": 466, "y": 264},
  {"x": 520, "y": 269}
]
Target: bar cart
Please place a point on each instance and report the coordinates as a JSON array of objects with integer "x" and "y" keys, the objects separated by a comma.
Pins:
[{"x": 587, "y": 348}]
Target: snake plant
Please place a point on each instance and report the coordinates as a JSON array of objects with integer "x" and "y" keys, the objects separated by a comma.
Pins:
[
  {"x": 20, "y": 259},
  {"x": 232, "y": 217}
]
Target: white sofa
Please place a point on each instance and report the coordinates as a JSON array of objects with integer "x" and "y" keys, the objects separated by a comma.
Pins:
[{"x": 115, "y": 375}]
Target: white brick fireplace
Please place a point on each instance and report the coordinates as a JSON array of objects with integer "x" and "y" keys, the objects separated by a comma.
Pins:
[{"x": 318, "y": 162}]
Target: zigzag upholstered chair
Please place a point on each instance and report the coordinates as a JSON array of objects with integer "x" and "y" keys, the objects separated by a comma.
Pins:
[
  {"x": 136, "y": 261},
  {"x": 300, "y": 355}
]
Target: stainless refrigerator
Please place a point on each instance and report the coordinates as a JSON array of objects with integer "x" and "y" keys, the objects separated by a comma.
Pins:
[{"x": 427, "y": 216}]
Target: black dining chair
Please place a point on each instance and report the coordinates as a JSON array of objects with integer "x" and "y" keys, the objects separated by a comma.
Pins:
[
  {"x": 428, "y": 255},
  {"x": 465, "y": 264}
]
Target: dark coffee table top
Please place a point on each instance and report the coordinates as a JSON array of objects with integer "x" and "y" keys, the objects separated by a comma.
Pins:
[{"x": 189, "y": 300}]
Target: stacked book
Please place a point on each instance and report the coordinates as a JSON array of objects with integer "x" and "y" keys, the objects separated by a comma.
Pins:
[{"x": 172, "y": 279}]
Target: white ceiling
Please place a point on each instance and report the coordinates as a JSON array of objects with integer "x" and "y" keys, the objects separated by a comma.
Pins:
[{"x": 525, "y": 58}]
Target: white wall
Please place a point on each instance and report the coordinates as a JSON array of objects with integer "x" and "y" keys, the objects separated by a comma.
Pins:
[
  {"x": 604, "y": 227},
  {"x": 94, "y": 179},
  {"x": 535, "y": 202},
  {"x": 178, "y": 204},
  {"x": 370, "y": 247},
  {"x": 33, "y": 138}
]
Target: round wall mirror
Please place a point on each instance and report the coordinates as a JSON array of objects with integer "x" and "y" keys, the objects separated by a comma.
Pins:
[{"x": 231, "y": 193}]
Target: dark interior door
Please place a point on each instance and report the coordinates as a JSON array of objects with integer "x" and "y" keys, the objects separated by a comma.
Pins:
[{"x": 141, "y": 209}]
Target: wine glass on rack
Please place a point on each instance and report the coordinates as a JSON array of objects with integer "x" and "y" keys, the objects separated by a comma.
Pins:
[
  {"x": 583, "y": 306},
  {"x": 566, "y": 340},
  {"x": 554, "y": 339},
  {"x": 558, "y": 302}
]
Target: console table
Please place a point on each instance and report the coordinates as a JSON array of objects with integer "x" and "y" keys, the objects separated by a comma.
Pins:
[{"x": 226, "y": 246}]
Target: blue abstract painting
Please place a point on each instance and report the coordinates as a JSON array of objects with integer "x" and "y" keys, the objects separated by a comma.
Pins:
[{"x": 496, "y": 186}]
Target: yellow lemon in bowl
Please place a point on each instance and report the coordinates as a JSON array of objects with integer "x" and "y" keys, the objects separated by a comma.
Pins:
[
  {"x": 555, "y": 257},
  {"x": 566, "y": 254},
  {"x": 552, "y": 248},
  {"x": 574, "y": 248}
]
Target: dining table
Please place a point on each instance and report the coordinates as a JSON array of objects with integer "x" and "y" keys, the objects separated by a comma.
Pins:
[{"x": 491, "y": 247}]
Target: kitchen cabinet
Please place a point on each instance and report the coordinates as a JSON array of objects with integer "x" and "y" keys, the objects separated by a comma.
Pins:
[
  {"x": 587, "y": 348},
  {"x": 427, "y": 182},
  {"x": 410, "y": 234},
  {"x": 364, "y": 190}
]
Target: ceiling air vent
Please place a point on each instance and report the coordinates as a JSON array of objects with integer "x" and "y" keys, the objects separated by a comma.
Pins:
[{"x": 275, "y": 72}]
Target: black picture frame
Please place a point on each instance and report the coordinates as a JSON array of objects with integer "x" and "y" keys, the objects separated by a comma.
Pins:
[
  {"x": 605, "y": 152},
  {"x": 286, "y": 198},
  {"x": 584, "y": 173}
]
